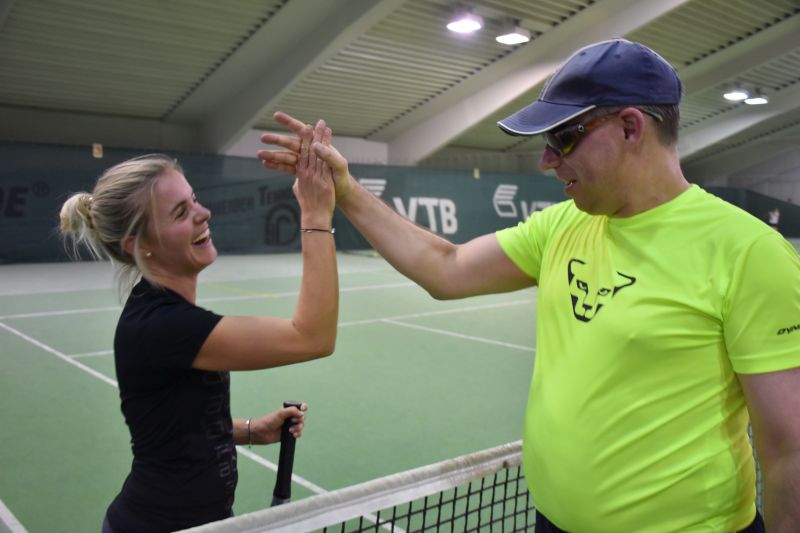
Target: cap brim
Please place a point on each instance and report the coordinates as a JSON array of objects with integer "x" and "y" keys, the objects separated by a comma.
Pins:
[{"x": 540, "y": 117}]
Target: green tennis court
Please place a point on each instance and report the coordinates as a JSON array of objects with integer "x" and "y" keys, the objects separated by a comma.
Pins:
[{"x": 413, "y": 381}]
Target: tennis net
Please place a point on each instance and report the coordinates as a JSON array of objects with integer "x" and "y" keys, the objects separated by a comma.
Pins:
[{"x": 482, "y": 491}]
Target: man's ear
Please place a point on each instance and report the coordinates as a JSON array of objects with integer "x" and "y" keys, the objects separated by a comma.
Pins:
[{"x": 633, "y": 123}]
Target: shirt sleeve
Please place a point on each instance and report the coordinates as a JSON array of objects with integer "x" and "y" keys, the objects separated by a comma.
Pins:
[
  {"x": 524, "y": 243},
  {"x": 761, "y": 318},
  {"x": 175, "y": 332}
]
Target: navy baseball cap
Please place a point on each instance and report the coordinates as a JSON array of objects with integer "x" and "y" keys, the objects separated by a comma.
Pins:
[{"x": 608, "y": 73}]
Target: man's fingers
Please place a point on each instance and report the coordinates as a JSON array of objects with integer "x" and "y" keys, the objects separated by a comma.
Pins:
[
  {"x": 289, "y": 142},
  {"x": 277, "y": 156},
  {"x": 289, "y": 121},
  {"x": 280, "y": 167}
]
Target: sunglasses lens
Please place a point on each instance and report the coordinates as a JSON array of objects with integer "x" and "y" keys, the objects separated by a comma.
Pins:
[
  {"x": 562, "y": 141},
  {"x": 552, "y": 141}
]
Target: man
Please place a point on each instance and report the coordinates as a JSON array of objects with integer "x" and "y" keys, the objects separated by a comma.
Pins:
[
  {"x": 665, "y": 315},
  {"x": 774, "y": 218}
]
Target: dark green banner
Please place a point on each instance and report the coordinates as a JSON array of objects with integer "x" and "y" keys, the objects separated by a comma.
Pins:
[{"x": 254, "y": 210}]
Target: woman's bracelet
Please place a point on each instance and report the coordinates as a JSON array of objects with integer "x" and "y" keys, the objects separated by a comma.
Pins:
[
  {"x": 249, "y": 436},
  {"x": 309, "y": 230}
]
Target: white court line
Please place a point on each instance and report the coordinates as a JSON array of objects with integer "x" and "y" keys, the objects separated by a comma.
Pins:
[
  {"x": 253, "y": 296},
  {"x": 264, "y": 276},
  {"x": 91, "y": 354},
  {"x": 114, "y": 384},
  {"x": 310, "y": 486},
  {"x": 62, "y": 312},
  {"x": 11, "y": 521},
  {"x": 8, "y": 518},
  {"x": 272, "y": 466},
  {"x": 460, "y": 335},
  {"x": 433, "y": 313},
  {"x": 60, "y": 355}
]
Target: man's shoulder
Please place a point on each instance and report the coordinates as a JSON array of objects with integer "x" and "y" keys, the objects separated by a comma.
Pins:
[{"x": 723, "y": 218}]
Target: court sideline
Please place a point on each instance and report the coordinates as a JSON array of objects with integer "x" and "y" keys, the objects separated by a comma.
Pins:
[{"x": 413, "y": 381}]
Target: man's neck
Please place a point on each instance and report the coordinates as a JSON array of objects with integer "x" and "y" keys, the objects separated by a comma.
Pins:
[{"x": 655, "y": 179}]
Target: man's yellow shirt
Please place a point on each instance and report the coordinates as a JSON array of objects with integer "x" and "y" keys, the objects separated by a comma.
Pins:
[{"x": 635, "y": 418}]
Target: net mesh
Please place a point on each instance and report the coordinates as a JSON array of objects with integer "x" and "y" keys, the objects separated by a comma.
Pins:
[
  {"x": 499, "y": 502},
  {"x": 483, "y": 491}
]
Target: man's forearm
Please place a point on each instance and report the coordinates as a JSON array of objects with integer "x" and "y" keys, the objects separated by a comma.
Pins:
[
  {"x": 416, "y": 252},
  {"x": 782, "y": 494}
]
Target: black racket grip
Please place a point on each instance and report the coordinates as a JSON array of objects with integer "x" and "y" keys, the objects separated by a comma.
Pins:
[{"x": 283, "y": 483}]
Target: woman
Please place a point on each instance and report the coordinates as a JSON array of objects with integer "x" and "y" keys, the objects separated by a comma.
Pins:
[{"x": 172, "y": 357}]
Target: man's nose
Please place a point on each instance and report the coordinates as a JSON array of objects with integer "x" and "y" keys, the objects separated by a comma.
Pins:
[{"x": 549, "y": 159}]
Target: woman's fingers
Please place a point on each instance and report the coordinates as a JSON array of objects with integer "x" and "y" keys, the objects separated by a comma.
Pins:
[
  {"x": 319, "y": 134},
  {"x": 304, "y": 161}
]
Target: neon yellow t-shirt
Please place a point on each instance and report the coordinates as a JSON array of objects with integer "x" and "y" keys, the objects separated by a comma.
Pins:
[{"x": 635, "y": 418}]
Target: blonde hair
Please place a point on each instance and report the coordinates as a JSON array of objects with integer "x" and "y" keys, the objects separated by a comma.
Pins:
[{"x": 119, "y": 208}]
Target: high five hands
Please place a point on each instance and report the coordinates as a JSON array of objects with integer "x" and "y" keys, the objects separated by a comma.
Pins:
[
  {"x": 316, "y": 141},
  {"x": 313, "y": 187}
]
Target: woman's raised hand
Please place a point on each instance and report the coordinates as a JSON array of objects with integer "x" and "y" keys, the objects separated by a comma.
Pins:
[{"x": 314, "y": 186}]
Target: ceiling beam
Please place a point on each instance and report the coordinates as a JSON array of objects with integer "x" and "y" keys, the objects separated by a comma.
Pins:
[
  {"x": 766, "y": 45},
  {"x": 294, "y": 42},
  {"x": 433, "y": 125},
  {"x": 770, "y": 154},
  {"x": 693, "y": 140},
  {"x": 776, "y": 41}
]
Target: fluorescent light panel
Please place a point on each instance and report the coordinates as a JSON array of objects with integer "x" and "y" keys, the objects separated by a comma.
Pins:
[
  {"x": 465, "y": 23},
  {"x": 516, "y": 35},
  {"x": 759, "y": 99},
  {"x": 736, "y": 95}
]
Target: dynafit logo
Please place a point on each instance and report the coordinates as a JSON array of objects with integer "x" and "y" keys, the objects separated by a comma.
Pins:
[{"x": 588, "y": 298}]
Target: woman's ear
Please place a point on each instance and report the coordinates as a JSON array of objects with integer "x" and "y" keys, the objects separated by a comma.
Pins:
[{"x": 129, "y": 245}]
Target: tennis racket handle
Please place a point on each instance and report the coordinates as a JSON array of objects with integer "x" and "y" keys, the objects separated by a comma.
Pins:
[{"x": 283, "y": 482}]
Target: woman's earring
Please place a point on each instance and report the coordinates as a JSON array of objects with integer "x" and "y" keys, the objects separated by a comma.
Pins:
[{"x": 148, "y": 254}]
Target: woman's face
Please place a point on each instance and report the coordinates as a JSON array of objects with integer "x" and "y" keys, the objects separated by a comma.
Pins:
[{"x": 178, "y": 236}]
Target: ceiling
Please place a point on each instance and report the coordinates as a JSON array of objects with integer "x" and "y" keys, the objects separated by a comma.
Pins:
[{"x": 202, "y": 75}]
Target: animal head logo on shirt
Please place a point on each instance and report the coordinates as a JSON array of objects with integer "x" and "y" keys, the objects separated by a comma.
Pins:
[{"x": 587, "y": 299}]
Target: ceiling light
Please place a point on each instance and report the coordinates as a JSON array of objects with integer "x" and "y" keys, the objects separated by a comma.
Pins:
[
  {"x": 757, "y": 99},
  {"x": 514, "y": 35},
  {"x": 465, "y": 22},
  {"x": 736, "y": 94}
]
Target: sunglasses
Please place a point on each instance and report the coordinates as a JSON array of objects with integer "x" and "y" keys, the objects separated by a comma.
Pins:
[{"x": 563, "y": 140}]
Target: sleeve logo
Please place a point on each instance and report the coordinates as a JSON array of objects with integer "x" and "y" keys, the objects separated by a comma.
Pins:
[{"x": 790, "y": 329}]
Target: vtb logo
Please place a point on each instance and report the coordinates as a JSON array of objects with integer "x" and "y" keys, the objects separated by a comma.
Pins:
[{"x": 586, "y": 299}]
